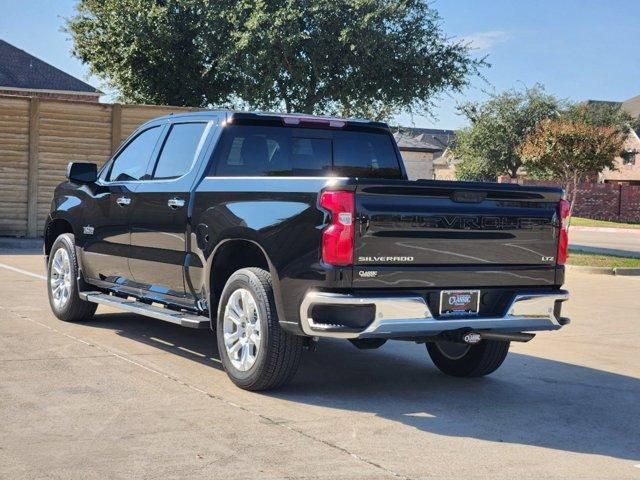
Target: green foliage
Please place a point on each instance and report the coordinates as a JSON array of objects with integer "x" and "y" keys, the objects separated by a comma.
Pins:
[
  {"x": 153, "y": 51},
  {"x": 476, "y": 170},
  {"x": 370, "y": 58},
  {"x": 489, "y": 146},
  {"x": 602, "y": 114},
  {"x": 568, "y": 150}
]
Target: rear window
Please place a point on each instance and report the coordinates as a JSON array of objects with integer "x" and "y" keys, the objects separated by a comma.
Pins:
[{"x": 280, "y": 151}]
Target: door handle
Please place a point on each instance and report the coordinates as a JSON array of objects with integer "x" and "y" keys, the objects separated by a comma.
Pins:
[
  {"x": 175, "y": 203},
  {"x": 123, "y": 201}
]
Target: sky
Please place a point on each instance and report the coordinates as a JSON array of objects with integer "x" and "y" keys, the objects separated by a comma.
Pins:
[{"x": 577, "y": 49}]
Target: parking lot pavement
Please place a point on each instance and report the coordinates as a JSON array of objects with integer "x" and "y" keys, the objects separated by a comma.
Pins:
[{"x": 124, "y": 396}]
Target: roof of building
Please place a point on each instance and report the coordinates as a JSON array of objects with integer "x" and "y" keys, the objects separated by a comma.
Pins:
[
  {"x": 438, "y": 137},
  {"x": 415, "y": 144},
  {"x": 21, "y": 70},
  {"x": 603, "y": 102},
  {"x": 632, "y": 106}
]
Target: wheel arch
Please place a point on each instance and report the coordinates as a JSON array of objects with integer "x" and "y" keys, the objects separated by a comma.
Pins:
[
  {"x": 227, "y": 257},
  {"x": 53, "y": 229}
]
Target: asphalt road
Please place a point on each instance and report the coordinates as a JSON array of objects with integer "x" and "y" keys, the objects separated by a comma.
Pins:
[
  {"x": 123, "y": 396},
  {"x": 614, "y": 242}
]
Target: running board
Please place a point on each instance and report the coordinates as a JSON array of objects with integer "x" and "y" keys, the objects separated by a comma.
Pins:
[{"x": 179, "y": 318}]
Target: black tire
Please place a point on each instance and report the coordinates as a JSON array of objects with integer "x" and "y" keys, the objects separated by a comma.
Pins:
[
  {"x": 74, "y": 309},
  {"x": 278, "y": 356},
  {"x": 476, "y": 360}
]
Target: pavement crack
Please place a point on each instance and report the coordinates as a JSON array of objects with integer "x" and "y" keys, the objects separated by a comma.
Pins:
[{"x": 265, "y": 418}]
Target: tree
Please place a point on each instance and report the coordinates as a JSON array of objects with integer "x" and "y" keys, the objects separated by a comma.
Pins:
[
  {"x": 568, "y": 151},
  {"x": 602, "y": 114},
  {"x": 154, "y": 51},
  {"x": 372, "y": 58},
  {"x": 489, "y": 146}
]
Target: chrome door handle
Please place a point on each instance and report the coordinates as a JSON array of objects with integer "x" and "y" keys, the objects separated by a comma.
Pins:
[
  {"x": 123, "y": 201},
  {"x": 175, "y": 203}
]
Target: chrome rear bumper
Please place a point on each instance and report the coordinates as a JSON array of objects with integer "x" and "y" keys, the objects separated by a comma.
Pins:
[{"x": 409, "y": 316}]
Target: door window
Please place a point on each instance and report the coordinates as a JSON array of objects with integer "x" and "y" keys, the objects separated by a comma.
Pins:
[
  {"x": 131, "y": 163},
  {"x": 179, "y": 150}
]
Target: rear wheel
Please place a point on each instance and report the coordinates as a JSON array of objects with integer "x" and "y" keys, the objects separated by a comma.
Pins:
[
  {"x": 463, "y": 360},
  {"x": 256, "y": 353},
  {"x": 62, "y": 285}
]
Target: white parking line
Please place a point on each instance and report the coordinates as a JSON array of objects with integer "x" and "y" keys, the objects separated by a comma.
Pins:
[{"x": 24, "y": 272}]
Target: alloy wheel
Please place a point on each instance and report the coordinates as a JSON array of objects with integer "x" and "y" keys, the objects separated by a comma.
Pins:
[
  {"x": 241, "y": 325},
  {"x": 60, "y": 278}
]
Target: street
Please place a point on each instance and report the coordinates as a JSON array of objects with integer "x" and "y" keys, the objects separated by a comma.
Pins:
[
  {"x": 124, "y": 396},
  {"x": 606, "y": 240}
]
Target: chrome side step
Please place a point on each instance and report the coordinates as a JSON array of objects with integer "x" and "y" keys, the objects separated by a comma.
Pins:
[{"x": 179, "y": 318}]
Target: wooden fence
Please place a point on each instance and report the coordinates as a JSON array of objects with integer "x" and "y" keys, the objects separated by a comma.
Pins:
[{"x": 39, "y": 137}]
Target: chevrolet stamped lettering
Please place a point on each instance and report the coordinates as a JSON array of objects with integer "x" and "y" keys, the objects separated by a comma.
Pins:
[
  {"x": 459, "y": 222},
  {"x": 275, "y": 231}
]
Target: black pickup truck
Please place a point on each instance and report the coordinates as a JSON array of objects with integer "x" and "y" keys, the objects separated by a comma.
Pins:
[{"x": 276, "y": 230}]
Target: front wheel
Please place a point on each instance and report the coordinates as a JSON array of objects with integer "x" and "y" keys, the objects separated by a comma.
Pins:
[
  {"x": 256, "y": 353},
  {"x": 462, "y": 360},
  {"x": 62, "y": 285}
]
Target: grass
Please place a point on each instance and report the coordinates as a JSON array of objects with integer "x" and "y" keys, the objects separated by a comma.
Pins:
[
  {"x": 588, "y": 222},
  {"x": 584, "y": 259}
]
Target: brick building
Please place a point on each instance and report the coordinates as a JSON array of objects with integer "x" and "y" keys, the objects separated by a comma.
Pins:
[{"x": 23, "y": 74}]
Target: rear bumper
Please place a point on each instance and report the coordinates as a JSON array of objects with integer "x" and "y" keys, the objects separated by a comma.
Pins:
[{"x": 401, "y": 316}]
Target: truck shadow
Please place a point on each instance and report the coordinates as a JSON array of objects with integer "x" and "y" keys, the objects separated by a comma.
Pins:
[{"x": 529, "y": 401}]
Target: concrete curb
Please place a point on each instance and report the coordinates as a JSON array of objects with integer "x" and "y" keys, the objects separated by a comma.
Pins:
[
  {"x": 11, "y": 243},
  {"x": 622, "y": 271},
  {"x": 591, "y": 270},
  {"x": 628, "y": 271}
]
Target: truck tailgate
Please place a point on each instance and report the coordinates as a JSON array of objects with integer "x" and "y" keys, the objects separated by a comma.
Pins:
[{"x": 461, "y": 233}]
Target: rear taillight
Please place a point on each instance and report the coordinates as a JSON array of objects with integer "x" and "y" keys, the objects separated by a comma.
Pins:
[
  {"x": 337, "y": 238},
  {"x": 564, "y": 207}
]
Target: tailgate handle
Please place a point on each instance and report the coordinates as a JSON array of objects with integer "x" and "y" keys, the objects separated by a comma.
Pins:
[{"x": 465, "y": 196}]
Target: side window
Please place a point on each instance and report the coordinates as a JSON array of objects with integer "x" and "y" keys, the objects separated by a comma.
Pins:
[
  {"x": 179, "y": 150},
  {"x": 629, "y": 157},
  {"x": 365, "y": 155},
  {"x": 271, "y": 151},
  {"x": 131, "y": 163}
]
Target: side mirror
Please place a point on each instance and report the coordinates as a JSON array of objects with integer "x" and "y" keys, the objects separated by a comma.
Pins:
[{"x": 82, "y": 172}]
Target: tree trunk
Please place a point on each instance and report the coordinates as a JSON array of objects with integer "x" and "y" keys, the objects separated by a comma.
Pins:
[{"x": 574, "y": 194}]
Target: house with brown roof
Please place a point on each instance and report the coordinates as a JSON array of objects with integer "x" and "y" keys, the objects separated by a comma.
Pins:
[{"x": 23, "y": 74}]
